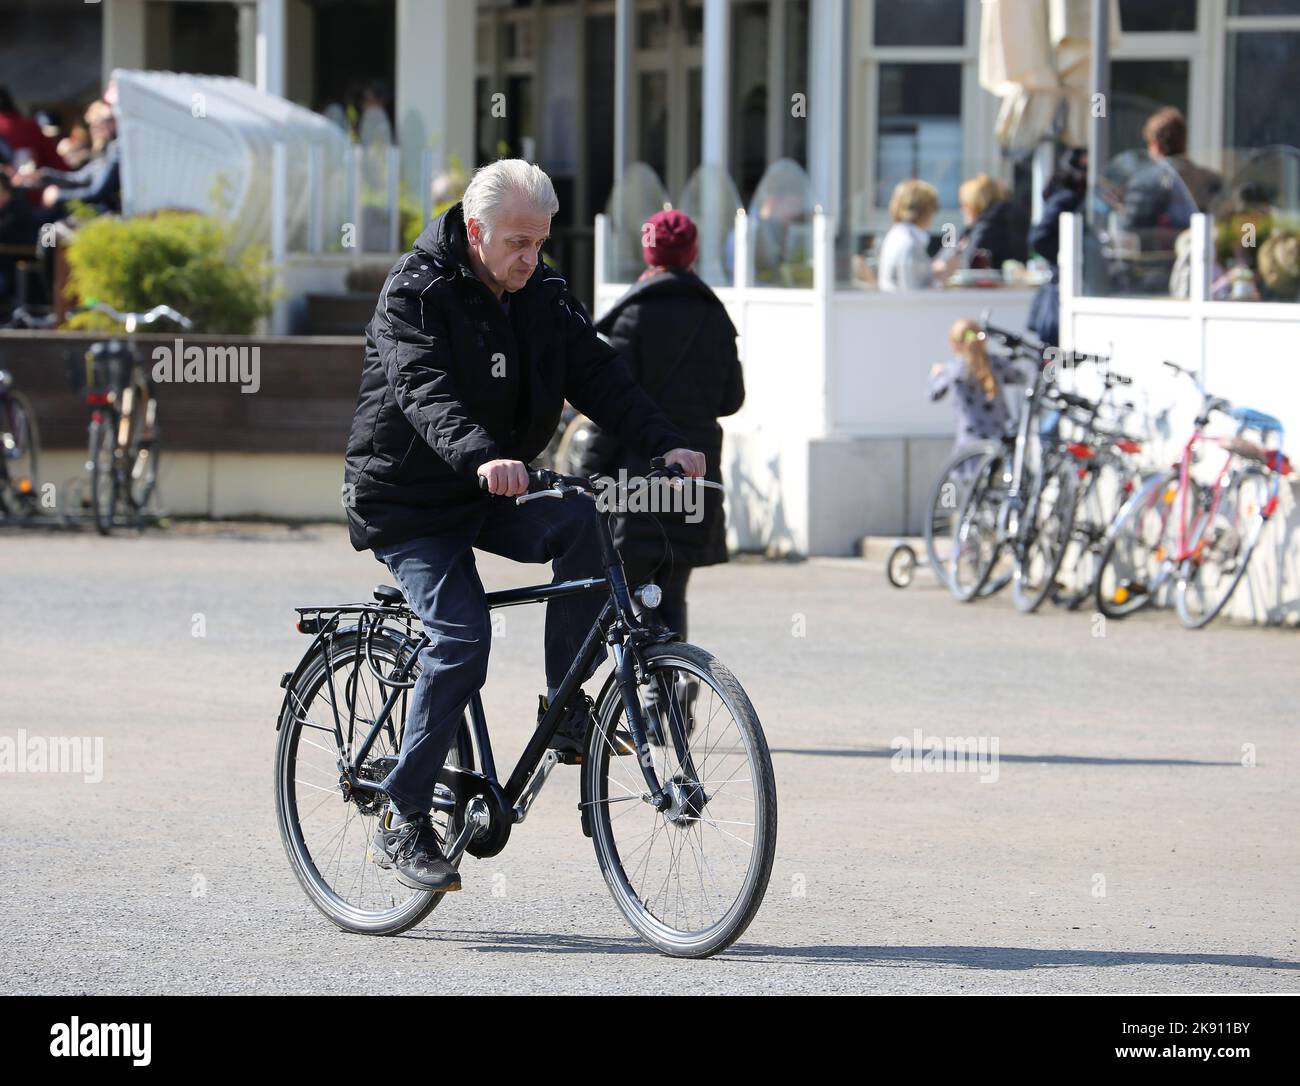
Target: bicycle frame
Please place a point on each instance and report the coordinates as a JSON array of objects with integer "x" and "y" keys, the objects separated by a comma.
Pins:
[
  {"x": 1189, "y": 541},
  {"x": 616, "y": 627}
]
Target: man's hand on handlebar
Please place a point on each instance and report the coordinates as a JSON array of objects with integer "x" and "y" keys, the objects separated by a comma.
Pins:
[
  {"x": 505, "y": 477},
  {"x": 688, "y": 460}
]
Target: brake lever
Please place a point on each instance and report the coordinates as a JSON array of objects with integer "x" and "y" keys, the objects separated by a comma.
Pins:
[{"x": 538, "y": 494}]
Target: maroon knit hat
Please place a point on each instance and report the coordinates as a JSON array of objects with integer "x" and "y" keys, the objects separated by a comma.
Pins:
[{"x": 669, "y": 238}]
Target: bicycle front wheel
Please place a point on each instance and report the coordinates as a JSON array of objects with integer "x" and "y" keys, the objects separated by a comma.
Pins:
[
  {"x": 688, "y": 879},
  {"x": 1137, "y": 547},
  {"x": 1049, "y": 525},
  {"x": 103, "y": 476},
  {"x": 1210, "y": 576},
  {"x": 21, "y": 450},
  {"x": 975, "y": 543},
  {"x": 946, "y": 500}
]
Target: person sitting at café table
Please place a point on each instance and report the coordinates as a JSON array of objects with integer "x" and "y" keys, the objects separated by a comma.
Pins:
[{"x": 904, "y": 250}]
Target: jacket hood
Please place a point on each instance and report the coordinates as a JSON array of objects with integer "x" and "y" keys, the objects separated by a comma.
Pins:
[
  {"x": 672, "y": 282},
  {"x": 447, "y": 246}
]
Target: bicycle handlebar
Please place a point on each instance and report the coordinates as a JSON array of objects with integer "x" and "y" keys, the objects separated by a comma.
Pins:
[
  {"x": 131, "y": 320},
  {"x": 1209, "y": 401},
  {"x": 544, "y": 483},
  {"x": 22, "y": 317}
]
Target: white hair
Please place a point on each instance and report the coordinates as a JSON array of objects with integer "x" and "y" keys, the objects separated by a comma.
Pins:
[{"x": 498, "y": 182}]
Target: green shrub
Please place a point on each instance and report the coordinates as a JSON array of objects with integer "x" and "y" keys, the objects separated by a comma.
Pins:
[{"x": 171, "y": 258}]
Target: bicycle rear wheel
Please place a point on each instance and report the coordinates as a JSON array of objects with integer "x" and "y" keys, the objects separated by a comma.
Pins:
[
  {"x": 327, "y": 833},
  {"x": 142, "y": 458},
  {"x": 1208, "y": 579},
  {"x": 688, "y": 879}
]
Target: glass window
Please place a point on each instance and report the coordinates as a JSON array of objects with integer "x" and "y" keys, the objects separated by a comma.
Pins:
[
  {"x": 653, "y": 117},
  {"x": 1265, "y": 7},
  {"x": 1138, "y": 89},
  {"x": 796, "y": 76},
  {"x": 695, "y": 118},
  {"x": 693, "y": 18},
  {"x": 519, "y": 113},
  {"x": 652, "y": 29},
  {"x": 919, "y": 132},
  {"x": 1263, "y": 71},
  {"x": 1153, "y": 16},
  {"x": 750, "y": 25},
  {"x": 920, "y": 22},
  {"x": 204, "y": 39},
  {"x": 519, "y": 39}
]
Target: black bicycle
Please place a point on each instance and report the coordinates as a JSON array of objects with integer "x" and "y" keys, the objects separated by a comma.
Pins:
[
  {"x": 123, "y": 435},
  {"x": 20, "y": 441},
  {"x": 684, "y": 829}
]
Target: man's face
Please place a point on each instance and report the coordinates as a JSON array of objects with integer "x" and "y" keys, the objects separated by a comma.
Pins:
[{"x": 516, "y": 246}]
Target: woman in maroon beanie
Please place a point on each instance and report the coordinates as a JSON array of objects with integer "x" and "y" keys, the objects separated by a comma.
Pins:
[{"x": 680, "y": 345}]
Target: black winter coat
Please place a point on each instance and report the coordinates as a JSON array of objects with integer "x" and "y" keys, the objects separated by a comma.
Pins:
[
  {"x": 450, "y": 380},
  {"x": 1001, "y": 231},
  {"x": 1045, "y": 240},
  {"x": 651, "y": 326}
]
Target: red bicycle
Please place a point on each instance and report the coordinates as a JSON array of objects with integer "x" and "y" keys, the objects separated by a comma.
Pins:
[{"x": 1198, "y": 535}]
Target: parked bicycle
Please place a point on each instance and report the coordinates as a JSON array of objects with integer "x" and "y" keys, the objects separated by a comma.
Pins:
[
  {"x": 684, "y": 833},
  {"x": 1197, "y": 536},
  {"x": 1024, "y": 497},
  {"x": 20, "y": 441},
  {"x": 123, "y": 433},
  {"x": 954, "y": 480}
]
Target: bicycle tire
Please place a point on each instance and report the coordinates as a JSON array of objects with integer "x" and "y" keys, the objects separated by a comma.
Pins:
[
  {"x": 346, "y": 645},
  {"x": 946, "y": 500},
  {"x": 101, "y": 464},
  {"x": 146, "y": 479},
  {"x": 1192, "y": 571},
  {"x": 982, "y": 495},
  {"x": 1028, "y": 598},
  {"x": 684, "y": 819},
  {"x": 1139, "y": 594},
  {"x": 21, "y": 425}
]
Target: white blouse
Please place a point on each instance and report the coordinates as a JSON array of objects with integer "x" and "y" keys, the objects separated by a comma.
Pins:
[{"x": 905, "y": 259}]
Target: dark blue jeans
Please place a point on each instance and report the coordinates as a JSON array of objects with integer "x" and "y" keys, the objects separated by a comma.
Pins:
[{"x": 438, "y": 576}]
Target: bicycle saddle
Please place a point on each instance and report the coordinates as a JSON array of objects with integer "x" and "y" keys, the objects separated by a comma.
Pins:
[
  {"x": 1256, "y": 420},
  {"x": 389, "y": 596}
]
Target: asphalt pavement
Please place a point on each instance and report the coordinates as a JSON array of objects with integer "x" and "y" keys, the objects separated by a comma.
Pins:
[{"x": 1137, "y": 832}]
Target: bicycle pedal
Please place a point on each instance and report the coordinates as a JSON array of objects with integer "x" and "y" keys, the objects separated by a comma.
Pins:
[
  {"x": 569, "y": 757},
  {"x": 379, "y": 859}
]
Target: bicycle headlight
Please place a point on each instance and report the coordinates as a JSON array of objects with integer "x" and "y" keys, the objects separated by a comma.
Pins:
[{"x": 650, "y": 595}]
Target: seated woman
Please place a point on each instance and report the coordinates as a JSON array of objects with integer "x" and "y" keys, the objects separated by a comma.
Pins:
[
  {"x": 904, "y": 251},
  {"x": 993, "y": 224}
]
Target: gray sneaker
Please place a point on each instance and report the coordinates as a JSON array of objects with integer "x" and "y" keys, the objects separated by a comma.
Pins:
[{"x": 412, "y": 850}]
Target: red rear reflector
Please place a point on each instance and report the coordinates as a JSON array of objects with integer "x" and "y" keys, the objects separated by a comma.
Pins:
[
  {"x": 1080, "y": 451},
  {"x": 1125, "y": 445},
  {"x": 97, "y": 398}
]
